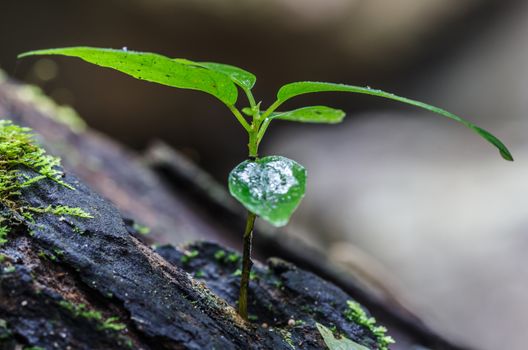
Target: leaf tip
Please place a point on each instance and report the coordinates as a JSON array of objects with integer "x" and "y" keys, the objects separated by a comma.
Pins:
[
  {"x": 503, "y": 150},
  {"x": 24, "y": 54},
  {"x": 506, "y": 155},
  {"x": 32, "y": 53}
]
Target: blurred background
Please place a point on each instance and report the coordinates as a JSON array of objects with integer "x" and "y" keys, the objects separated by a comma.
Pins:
[{"x": 419, "y": 200}]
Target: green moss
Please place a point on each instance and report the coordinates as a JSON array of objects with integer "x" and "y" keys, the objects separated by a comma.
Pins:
[
  {"x": 58, "y": 252},
  {"x": 45, "y": 256},
  {"x": 112, "y": 324},
  {"x": 62, "y": 210},
  {"x": 18, "y": 150},
  {"x": 4, "y": 230},
  {"x": 278, "y": 284},
  {"x": 199, "y": 274},
  {"x": 299, "y": 323},
  {"x": 252, "y": 275},
  {"x": 189, "y": 255},
  {"x": 18, "y": 153},
  {"x": 9, "y": 269},
  {"x": 355, "y": 313},
  {"x": 287, "y": 336},
  {"x": 141, "y": 229},
  {"x": 220, "y": 255},
  {"x": 80, "y": 310},
  {"x": 224, "y": 258},
  {"x": 78, "y": 230},
  {"x": 233, "y": 257}
]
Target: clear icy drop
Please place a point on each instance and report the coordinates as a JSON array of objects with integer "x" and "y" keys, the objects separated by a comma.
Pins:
[{"x": 271, "y": 187}]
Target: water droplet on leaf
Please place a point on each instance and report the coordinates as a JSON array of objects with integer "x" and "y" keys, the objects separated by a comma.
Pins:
[{"x": 271, "y": 187}]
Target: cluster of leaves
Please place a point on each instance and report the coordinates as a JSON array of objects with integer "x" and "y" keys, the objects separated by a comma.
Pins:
[
  {"x": 270, "y": 187},
  {"x": 355, "y": 313},
  {"x": 80, "y": 310},
  {"x": 18, "y": 155}
]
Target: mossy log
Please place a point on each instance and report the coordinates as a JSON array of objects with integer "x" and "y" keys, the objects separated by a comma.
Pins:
[
  {"x": 65, "y": 279},
  {"x": 88, "y": 283}
]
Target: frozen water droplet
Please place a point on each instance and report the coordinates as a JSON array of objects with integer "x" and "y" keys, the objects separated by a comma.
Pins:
[
  {"x": 271, "y": 187},
  {"x": 267, "y": 180}
]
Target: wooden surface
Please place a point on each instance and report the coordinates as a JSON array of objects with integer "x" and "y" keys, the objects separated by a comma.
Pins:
[{"x": 178, "y": 202}]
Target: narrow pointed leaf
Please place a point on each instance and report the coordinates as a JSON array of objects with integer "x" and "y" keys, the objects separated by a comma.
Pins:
[
  {"x": 312, "y": 114},
  {"x": 242, "y": 78},
  {"x": 305, "y": 87},
  {"x": 271, "y": 187},
  {"x": 179, "y": 73},
  {"x": 342, "y": 343}
]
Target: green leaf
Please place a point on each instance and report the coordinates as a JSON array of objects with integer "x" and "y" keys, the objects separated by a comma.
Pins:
[
  {"x": 271, "y": 187},
  {"x": 179, "y": 73},
  {"x": 338, "y": 344},
  {"x": 305, "y": 87},
  {"x": 242, "y": 78},
  {"x": 312, "y": 114}
]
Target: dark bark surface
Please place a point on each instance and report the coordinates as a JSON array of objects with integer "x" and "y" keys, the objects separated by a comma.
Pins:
[
  {"x": 281, "y": 296},
  {"x": 98, "y": 263},
  {"x": 54, "y": 264}
]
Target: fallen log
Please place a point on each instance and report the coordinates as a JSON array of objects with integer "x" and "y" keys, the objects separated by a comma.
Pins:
[
  {"x": 174, "y": 214},
  {"x": 74, "y": 277}
]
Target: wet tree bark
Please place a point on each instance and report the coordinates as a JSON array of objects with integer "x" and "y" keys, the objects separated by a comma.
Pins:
[
  {"x": 97, "y": 284},
  {"x": 92, "y": 284}
]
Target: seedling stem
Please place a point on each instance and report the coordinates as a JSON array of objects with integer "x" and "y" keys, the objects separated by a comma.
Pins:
[{"x": 246, "y": 266}]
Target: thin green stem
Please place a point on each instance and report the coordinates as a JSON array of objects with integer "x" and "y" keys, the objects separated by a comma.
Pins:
[
  {"x": 250, "y": 97},
  {"x": 270, "y": 110},
  {"x": 253, "y": 144},
  {"x": 253, "y": 137},
  {"x": 262, "y": 130},
  {"x": 240, "y": 117},
  {"x": 246, "y": 266},
  {"x": 248, "y": 232}
]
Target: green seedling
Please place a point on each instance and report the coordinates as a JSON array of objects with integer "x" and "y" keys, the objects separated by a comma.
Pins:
[{"x": 268, "y": 187}]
